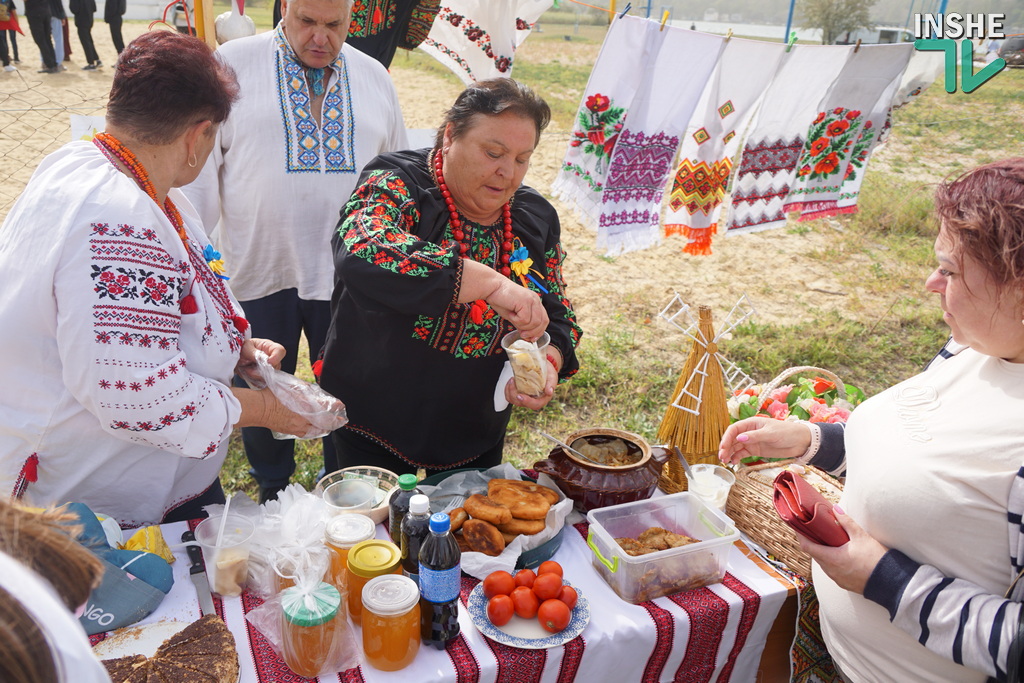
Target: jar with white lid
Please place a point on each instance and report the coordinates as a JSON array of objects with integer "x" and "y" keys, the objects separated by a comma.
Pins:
[{"x": 391, "y": 621}]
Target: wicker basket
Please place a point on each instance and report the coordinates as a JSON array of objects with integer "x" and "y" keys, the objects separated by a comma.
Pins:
[{"x": 750, "y": 506}]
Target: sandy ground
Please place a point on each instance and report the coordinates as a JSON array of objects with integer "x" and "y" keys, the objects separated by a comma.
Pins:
[{"x": 626, "y": 290}]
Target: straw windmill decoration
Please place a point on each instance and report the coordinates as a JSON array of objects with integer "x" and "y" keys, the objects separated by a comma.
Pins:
[{"x": 698, "y": 415}]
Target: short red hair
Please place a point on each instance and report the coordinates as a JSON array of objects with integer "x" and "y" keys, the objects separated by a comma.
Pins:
[
  {"x": 164, "y": 82},
  {"x": 982, "y": 212}
]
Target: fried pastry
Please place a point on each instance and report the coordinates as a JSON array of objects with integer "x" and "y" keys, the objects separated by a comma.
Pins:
[
  {"x": 550, "y": 495},
  {"x": 458, "y": 517},
  {"x": 522, "y": 504},
  {"x": 483, "y": 507},
  {"x": 483, "y": 537},
  {"x": 523, "y": 526}
]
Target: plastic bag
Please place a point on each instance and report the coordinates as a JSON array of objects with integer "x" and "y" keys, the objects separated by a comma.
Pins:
[
  {"x": 344, "y": 651},
  {"x": 323, "y": 411},
  {"x": 289, "y": 531}
]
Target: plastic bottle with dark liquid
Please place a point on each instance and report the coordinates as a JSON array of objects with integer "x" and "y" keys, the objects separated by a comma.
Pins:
[
  {"x": 398, "y": 506},
  {"x": 415, "y": 529},
  {"x": 440, "y": 574}
]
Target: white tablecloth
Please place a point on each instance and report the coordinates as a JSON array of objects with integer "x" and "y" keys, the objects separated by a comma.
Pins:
[{"x": 711, "y": 634}]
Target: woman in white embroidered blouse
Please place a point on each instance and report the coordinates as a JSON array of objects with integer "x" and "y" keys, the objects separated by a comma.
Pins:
[
  {"x": 934, "y": 470},
  {"x": 120, "y": 335}
]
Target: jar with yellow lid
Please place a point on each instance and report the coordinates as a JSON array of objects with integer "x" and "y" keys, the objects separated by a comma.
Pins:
[
  {"x": 391, "y": 622},
  {"x": 367, "y": 560},
  {"x": 307, "y": 627},
  {"x": 342, "y": 533}
]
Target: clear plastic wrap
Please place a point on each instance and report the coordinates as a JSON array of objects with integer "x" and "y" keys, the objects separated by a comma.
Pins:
[{"x": 323, "y": 411}]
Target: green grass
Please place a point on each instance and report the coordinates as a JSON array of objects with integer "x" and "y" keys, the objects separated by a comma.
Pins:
[{"x": 884, "y": 252}]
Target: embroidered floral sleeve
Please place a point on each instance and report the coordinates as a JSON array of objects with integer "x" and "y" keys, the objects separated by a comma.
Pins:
[
  {"x": 377, "y": 231},
  {"x": 121, "y": 351},
  {"x": 563, "y": 321},
  {"x": 419, "y": 24}
]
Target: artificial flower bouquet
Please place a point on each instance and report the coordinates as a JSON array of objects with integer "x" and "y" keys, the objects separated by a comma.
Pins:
[{"x": 814, "y": 400}]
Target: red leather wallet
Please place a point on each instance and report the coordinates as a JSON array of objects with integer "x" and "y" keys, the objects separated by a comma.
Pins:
[{"x": 804, "y": 508}]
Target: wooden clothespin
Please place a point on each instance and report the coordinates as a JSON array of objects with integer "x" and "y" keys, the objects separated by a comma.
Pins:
[
  {"x": 857, "y": 46},
  {"x": 728, "y": 35},
  {"x": 625, "y": 9},
  {"x": 664, "y": 18},
  {"x": 791, "y": 41}
]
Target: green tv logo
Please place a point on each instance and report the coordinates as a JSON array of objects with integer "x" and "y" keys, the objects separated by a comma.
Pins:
[{"x": 940, "y": 32}]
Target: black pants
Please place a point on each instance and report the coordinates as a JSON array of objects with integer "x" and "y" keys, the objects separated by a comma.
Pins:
[
  {"x": 40, "y": 28},
  {"x": 83, "y": 22},
  {"x": 355, "y": 449},
  {"x": 115, "y": 33},
  {"x": 14, "y": 43},
  {"x": 4, "y": 54}
]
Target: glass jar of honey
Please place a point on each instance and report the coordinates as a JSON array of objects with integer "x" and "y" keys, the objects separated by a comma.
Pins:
[
  {"x": 341, "y": 534},
  {"x": 308, "y": 625},
  {"x": 368, "y": 560},
  {"x": 391, "y": 621}
]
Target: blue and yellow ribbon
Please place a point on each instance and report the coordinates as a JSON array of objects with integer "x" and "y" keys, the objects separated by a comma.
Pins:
[
  {"x": 520, "y": 262},
  {"x": 215, "y": 262}
]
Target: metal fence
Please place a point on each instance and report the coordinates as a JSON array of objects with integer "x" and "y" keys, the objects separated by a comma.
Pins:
[{"x": 32, "y": 124}]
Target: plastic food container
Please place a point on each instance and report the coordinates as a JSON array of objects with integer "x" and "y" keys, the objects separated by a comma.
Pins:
[{"x": 644, "y": 577}]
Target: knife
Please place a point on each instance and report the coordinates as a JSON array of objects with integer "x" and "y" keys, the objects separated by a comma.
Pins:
[{"x": 197, "y": 572}]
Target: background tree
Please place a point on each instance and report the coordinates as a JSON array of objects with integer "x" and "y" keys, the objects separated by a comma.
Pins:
[{"x": 835, "y": 17}]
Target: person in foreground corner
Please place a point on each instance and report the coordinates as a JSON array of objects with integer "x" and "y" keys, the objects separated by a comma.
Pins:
[
  {"x": 123, "y": 335},
  {"x": 439, "y": 253},
  {"x": 927, "y": 587}
]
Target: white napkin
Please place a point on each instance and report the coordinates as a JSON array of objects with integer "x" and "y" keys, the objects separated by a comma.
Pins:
[{"x": 500, "y": 403}]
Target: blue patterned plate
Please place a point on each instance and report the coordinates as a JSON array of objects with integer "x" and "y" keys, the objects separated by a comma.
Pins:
[{"x": 527, "y": 634}]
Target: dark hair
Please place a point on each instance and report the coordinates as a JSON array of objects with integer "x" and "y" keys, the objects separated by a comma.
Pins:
[
  {"x": 494, "y": 96},
  {"x": 24, "y": 653},
  {"x": 982, "y": 212},
  {"x": 165, "y": 82}
]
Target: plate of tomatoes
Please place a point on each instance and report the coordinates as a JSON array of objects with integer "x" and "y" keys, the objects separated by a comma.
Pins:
[{"x": 532, "y": 610}]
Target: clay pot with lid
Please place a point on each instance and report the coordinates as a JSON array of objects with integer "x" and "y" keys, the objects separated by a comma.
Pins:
[{"x": 592, "y": 485}]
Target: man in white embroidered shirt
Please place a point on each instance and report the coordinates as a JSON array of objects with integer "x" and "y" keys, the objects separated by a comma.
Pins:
[{"x": 312, "y": 111}]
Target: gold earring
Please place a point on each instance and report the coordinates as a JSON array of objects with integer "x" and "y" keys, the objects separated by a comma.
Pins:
[{"x": 193, "y": 161}]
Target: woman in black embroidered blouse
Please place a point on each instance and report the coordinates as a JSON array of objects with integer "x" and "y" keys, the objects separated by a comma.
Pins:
[{"x": 439, "y": 253}]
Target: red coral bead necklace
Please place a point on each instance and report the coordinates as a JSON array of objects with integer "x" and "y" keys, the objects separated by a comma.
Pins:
[
  {"x": 108, "y": 144},
  {"x": 504, "y": 249}
]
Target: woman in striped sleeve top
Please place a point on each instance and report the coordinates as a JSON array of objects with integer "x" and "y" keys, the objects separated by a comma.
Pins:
[{"x": 934, "y": 489}]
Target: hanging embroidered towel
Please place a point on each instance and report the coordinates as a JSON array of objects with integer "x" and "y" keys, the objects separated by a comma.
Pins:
[
  {"x": 628, "y": 47},
  {"x": 843, "y": 133},
  {"x": 699, "y": 182},
  {"x": 477, "y": 39},
  {"x": 767, "y": 165},
  {"x": 642, "y": 159}
]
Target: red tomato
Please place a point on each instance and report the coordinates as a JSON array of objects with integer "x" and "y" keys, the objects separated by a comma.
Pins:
[
  {"x": 525, "y": 602},
  {"x": 498, "y": 583},
  {"x": 550, "y": 567},
  {"x": 525, "y": 577},
  {"x": 554, "y": 615},
  {"x": 547, "y": 586},
  {"x": 500, "y": 609},
  {"x": 568, "y": 596}
]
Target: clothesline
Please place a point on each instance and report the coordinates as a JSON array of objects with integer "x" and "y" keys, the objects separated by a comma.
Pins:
[{"x": 568, "y": 134}]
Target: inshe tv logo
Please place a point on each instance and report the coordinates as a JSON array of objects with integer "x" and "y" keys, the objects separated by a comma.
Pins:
[{"x": 940, "y": 32}]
